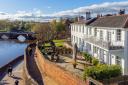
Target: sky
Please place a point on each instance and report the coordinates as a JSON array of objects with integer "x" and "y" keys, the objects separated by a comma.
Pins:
[{"x": 29, "y": 9}]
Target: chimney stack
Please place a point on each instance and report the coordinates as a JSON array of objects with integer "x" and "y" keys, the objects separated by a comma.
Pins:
[
  {"x": 88, "y": 15},
  {"x": 122, "y": 11},
  {"x": 80, "y": 18}
]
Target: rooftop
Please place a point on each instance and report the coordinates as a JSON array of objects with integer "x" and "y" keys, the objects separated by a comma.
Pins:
[
  {"x": 86, "y": 22},
  {"x": 117, "y": 21}
]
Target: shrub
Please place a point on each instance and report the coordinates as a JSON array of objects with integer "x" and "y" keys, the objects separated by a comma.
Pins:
[
  {"x": 87, "y": 57},
  {"x": 102, "y": 72},
  {"x": 95, "y": 61}
]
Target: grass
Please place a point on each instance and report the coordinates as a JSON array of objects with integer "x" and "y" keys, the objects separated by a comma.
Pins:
[
  {"x": 3, "y": 31},
  {"x": 58, "y": 43}
]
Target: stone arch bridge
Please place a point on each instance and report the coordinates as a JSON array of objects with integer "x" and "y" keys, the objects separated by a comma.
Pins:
[{"x": 15, "y": 35}]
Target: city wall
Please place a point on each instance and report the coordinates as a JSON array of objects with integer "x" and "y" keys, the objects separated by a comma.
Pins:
[
  {"x": 60, "y": 75},
  {"x": 27, "y": 76}
]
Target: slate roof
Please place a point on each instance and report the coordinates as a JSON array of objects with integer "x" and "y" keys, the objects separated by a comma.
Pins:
[
  {"x": 86, "y": 22},
  {"x": 117, "y": 21}
]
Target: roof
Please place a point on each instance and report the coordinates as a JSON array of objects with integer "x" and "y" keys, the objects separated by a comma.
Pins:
[
  {"x": 86, "y": 22},
  {"x": 117, "y": 21}
]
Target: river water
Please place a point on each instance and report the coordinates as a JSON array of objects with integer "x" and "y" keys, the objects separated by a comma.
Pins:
[{"x": 9, "y": 50}]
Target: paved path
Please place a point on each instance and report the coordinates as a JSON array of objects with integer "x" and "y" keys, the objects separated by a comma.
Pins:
[
  {"x": 66, "y": 62},
  {"x": 17, "y": 75}
]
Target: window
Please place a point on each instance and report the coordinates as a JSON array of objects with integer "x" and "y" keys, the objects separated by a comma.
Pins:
[
  {"x": 118, "y": 60},
  {"x": 101, "y": 35},
  {"x": 89, "y": 47},
  {"x": 118, "y": 35},
  {"x": 95, "y": 32},
  {"x": 87, "y": 31},
  {"x": 90, "y": 31},
  {"x": 72, "y": 27},
  {"x": 95, "y": 49},
  {"x": 77, "y": 28},
  {"x": 71, "y": 37},
  {"x": 109, "y": 36},
  {"x": 77, "y": 40},
  {"x": 80, "y": 28},
  {"x": 83, "y": 29}
]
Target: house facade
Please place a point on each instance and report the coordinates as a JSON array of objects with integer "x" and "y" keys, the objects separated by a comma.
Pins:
[{"x": 105, "y": 38}]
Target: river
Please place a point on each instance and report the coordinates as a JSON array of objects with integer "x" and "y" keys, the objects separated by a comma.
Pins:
[{"x": 9, "y": 50}]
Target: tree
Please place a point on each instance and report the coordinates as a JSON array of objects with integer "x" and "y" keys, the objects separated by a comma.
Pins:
[
  {"x": 58, "y": 28},
  {"x": 43, "y": 31},
  {"x": 53, "y": 28}
]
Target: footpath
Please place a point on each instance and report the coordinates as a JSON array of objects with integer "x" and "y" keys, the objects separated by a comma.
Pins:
[{"x": 17, "y": 75}]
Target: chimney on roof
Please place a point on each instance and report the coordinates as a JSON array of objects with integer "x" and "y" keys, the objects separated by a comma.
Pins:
[
  {"x": 80, "y": 18},
  {"x": 122, "y": 11},
  {"x": 88, "y": 15}
]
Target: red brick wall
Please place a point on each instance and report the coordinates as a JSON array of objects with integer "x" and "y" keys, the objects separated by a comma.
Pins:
[{"x": 62, "y": 76}]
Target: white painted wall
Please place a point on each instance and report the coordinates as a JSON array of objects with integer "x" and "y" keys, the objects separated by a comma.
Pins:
[
  {"x": 125, "y": 59},
  {"x": 109, "y": 56}
]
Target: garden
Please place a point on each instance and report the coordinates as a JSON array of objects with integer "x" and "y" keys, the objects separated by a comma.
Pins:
[
  {"x": 99, "y": 71},
  {"x": 86, "y": 67},
  {"x": 58, "y": 43}
]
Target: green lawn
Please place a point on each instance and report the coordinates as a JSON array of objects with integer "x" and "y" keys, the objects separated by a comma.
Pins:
[
  {"x": 58, "y": 43},
  {"x": 3, "y": 31}
]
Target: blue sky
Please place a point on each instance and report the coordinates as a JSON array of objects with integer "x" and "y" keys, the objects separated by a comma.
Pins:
[
  {"x": 43, "y": 9},
  {"x": 46, "y": 6}
]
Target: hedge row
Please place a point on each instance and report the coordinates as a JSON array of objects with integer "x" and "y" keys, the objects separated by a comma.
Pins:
[{"x": 102, "y": 72}]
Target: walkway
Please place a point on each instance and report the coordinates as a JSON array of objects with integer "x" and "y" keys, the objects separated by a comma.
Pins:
[
  {"x": 66, "y": 62},
  {"x": 17, "y": 75}
]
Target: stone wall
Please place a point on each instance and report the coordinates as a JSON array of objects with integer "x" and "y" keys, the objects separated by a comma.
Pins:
[
  {"x": 28, "y": 78},
  {"x": 60, "y": 75}
]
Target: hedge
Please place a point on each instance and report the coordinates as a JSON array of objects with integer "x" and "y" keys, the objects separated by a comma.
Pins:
[{"x": 102, "y": 72}]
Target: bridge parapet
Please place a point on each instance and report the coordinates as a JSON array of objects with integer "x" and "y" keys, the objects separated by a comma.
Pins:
[{"x": 14, "y": 35}]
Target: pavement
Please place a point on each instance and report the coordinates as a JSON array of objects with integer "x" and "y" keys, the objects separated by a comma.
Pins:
[
  {"x": 66, "y": 62},
  {"x": 49, "y": 81},
  {"x": 17, "y": 74}
]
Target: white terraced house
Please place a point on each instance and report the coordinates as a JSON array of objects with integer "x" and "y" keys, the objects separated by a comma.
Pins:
[{"x": 105, "y": 38}]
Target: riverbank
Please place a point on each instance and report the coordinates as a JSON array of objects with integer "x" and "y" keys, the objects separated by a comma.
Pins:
[
  {"x": 17, "y": 75},
  {"x": 17, "y": 41},
  {"x": 14, "y": 62}
]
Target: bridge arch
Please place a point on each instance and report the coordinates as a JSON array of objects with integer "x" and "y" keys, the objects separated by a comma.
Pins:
[
  {"x": 21, "y": 38},
  {"x": 4, "y": 36}
]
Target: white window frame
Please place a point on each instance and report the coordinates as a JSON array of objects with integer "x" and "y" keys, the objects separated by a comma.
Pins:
[{"x": 118, "y": 35}]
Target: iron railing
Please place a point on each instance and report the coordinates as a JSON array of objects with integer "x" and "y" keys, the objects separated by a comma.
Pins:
[{"x": 101, "y": 43}]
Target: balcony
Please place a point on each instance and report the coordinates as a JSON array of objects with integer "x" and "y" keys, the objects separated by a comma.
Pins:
[{"x": 101, "y": 43}]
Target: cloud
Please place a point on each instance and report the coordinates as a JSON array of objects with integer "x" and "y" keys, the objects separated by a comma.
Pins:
[
  {"x": 107, "y": 7},
  {"x": 49, "y": 7},
  {"x": 36, "y": 14}
]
